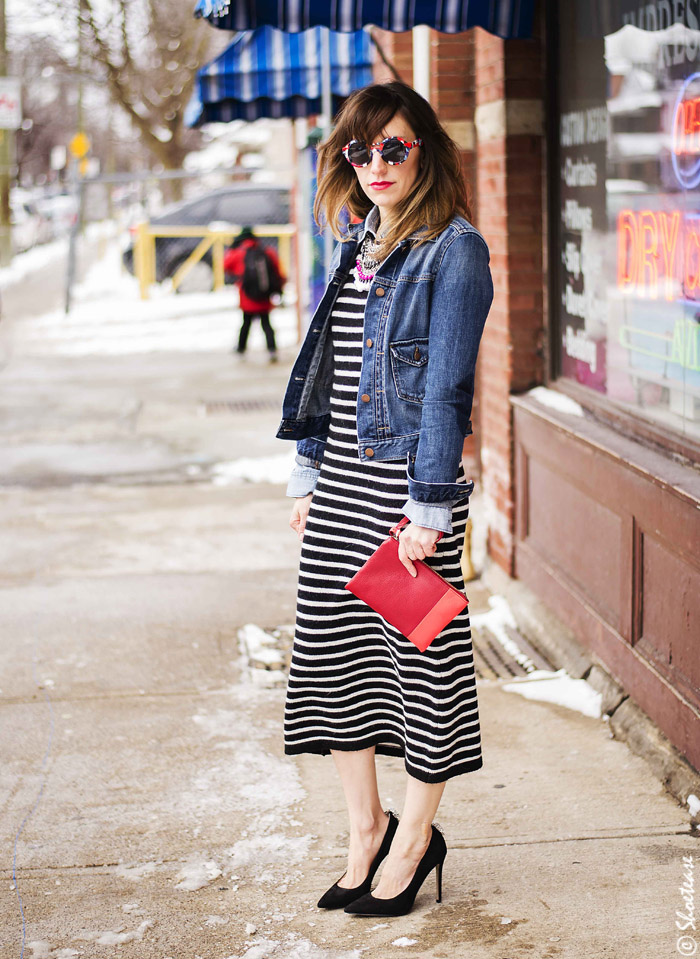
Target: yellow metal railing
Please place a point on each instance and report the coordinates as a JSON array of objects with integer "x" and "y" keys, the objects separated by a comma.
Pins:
[{"x": 215, "y": 240}]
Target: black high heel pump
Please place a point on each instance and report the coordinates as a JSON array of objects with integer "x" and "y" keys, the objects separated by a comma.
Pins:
[
  {"x": 433, "y": 858},
  {"x": 338, "y": 896}
]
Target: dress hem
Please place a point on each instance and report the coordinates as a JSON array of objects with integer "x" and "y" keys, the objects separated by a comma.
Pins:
[{"x": 385, "y": 749}]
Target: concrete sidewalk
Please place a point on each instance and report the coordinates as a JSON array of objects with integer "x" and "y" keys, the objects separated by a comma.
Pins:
[{"x": 164, "y": 819}]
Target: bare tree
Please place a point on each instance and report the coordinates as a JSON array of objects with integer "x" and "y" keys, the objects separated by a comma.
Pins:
[
  {"x": 50, "y": 110},
  {"x": 146, "y": 54},
  {"x": 148, "y": 51}
]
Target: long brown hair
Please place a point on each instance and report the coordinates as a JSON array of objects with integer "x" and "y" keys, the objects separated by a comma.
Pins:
[{"x": 439, "y": 191}]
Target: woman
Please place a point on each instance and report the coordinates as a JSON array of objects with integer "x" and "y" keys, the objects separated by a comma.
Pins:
[{"x": 379, "y": 401}]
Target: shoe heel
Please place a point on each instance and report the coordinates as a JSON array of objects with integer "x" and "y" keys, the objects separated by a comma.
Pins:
[{"x": 438, "y": 882}]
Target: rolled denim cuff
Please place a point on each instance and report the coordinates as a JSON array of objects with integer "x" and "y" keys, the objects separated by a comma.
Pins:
[
  {"x": 307, "y": 461},
  {"x": 432, "y": 515},
  {"x": 302, "y": 481}
]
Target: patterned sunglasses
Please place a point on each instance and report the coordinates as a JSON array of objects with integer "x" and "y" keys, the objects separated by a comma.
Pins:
[{"x": 393, "y": 150}]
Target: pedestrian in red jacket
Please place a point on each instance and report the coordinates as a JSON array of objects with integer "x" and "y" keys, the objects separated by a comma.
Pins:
[{"x": 257, "y": 273}]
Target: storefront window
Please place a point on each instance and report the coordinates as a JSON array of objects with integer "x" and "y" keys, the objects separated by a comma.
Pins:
[{"x": 628, "y": 235}]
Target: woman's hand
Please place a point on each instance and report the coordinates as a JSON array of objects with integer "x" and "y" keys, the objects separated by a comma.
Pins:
[
  {"x": 300, "y": 511},
  {"x": 416, "y": 542}
]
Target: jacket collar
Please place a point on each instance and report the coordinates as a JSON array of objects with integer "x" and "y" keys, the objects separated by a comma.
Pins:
[{"x": 370, "y": 225}]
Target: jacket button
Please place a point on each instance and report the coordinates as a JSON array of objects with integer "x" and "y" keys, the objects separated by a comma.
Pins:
[
  {"x": 369, "y": 452},
  {"x": 369, "y": 341},
  {"x": 380, "y": 291},
  {"x": 365, "y": 398}
]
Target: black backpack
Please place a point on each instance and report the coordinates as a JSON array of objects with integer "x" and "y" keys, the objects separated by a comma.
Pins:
[{"x": 259, "y": 276}]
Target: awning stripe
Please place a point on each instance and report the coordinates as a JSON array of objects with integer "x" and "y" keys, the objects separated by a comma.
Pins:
[
  {"x": 267, "y": 72},
  {"x": 506, "y": 18}
]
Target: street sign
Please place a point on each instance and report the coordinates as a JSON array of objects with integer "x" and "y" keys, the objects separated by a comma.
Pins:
[
  {"x": 10, "y": 104},
  {"x": 79, "y": 146}
]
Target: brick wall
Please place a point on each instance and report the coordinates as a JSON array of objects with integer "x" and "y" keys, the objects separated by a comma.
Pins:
[
  {"x": 398, "y": 49},
  {"x": 508, "y": 92},
  {"x": 488, "y": 94}
]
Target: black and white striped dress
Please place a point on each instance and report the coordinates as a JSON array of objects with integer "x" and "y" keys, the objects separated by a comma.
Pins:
[{"x": 354, "y": 680}]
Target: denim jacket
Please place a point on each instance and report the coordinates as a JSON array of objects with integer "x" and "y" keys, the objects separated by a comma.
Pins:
[{"x": 424, "y": 317}]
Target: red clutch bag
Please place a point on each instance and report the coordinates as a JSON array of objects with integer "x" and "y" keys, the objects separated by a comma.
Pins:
[{"x": 418, "y": 606}]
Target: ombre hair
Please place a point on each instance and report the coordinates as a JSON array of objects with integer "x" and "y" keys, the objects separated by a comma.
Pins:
[{"x": 439, "y": 191}]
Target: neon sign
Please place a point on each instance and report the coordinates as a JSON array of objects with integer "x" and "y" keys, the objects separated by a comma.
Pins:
[
  {"x": 658, "y": 252},
  {"x": 685, "y": 155}
]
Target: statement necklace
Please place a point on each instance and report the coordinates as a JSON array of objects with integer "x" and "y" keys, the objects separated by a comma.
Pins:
[{"x": 366, "y": 264}]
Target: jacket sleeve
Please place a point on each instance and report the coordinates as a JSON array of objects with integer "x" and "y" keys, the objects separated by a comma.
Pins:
[
  {"x": 461, "y": 298},
  {"x": 304, "y": 476},
  {"x": 309, "y": 455},
  {"x": 232, "y": 264}
]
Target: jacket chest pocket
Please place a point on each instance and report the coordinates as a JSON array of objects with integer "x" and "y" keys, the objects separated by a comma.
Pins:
[{"x": 409, "y": 367}]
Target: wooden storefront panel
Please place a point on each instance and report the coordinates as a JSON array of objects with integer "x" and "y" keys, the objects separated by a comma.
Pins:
[
  {"x": 670, "y": 614},
  {"x": 568, "y": 527},
  {"x": 608, "y": 535}
]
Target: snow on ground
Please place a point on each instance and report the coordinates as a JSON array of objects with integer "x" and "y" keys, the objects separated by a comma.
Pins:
[
  {"x": 260, "y": 646},
  {"x": 495, "y": 620},
  {"x": 136, "y": 871},
  {"x": 110, "y": 318},
  {"x": 41, "y": 949},
  {"x": 541, "y": 684},
  {"x": 39, "y": 257},
  {"x": 119, "y": 938},
  {"x": 32, "y": 261},
  {"x": 556, "y": 400},
  {"x": 293, "y": 947},
  {"x": 263, "y": 469},
  {"x": 560, "y": 688},
  {"x": 196, "y": 874}
]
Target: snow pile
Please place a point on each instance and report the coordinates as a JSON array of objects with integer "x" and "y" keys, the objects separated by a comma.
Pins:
[
  {"x": 496, "y": 620},
  {"x": 116, "y": 937},
  {"x": 264, "y": 469},
  {"x": 119, "y": 938},
  {"x": 260, "y": 646},
  {"x": 250, "y": 778},
  {"x": 294, "y": 947},
  {"x": 109, "y": 318},
  {"x": 558, "y": 687},
  {"x": 137, "y": 871},
  {"x": 555, "y": 400},
  {"x": 41, "y": 949},
  {"x": 32, "y": 261},
  {"x": 197, "y": 873},
  {"x": 272, "y": 849}
]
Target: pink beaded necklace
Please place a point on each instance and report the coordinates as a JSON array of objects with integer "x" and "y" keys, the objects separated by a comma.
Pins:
[{"x": 365, "y": 261}]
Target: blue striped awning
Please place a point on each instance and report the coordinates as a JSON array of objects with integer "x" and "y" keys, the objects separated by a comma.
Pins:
[
  {"x": 505, "y": 18},
  {"x": 269, "y": 73}
]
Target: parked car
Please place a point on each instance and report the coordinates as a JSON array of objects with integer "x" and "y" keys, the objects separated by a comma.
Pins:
[
  {"x": 59, "y": 212},
  {"x": 240, "y": 205},
  {"x": 25, "y": 224}
]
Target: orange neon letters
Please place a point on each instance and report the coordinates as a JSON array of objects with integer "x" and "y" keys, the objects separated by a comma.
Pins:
[{"x": 658, "y": 246}]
